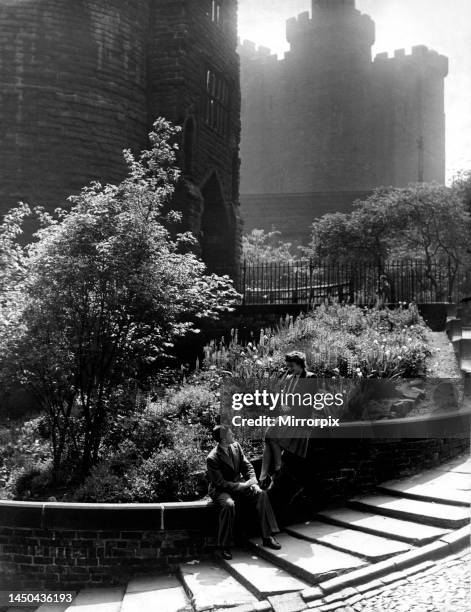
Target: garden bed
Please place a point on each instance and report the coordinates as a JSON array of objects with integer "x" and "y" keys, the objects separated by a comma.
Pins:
[{"x": 155, "y": 450}]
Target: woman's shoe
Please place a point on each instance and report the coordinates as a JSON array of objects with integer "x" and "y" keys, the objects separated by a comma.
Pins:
[{"x": 226, "y": 554}]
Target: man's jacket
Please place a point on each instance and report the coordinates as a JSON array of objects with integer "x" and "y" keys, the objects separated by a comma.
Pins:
[{"x": 227, "y": 472}]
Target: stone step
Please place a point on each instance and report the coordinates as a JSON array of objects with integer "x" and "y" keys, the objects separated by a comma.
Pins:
[
  {"x": 367, "y": 522},
  {"x": 429, "y": 513},
  {"x": 309, "y": 561},
  {"x": 441, "y": 477},
  {"x": 98, "y": 600},
  {"x": 441, "y": 489},
  {"x": 155, "y": 593},
  {"x": 210, "y": 586},
  {"x": 371, "y": 547},
  {"x": 260, "y": 576},
  {"x": 460, "y": 466}
]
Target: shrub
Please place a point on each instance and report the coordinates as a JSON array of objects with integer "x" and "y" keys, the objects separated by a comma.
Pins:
[
  {"x": 31, "y": 481},
  {"x": 172, "y": 473},
  {"x": 103, "y": 485},
  {"x": 166, "y": 473},
  {"x": 196, "y": 404}
]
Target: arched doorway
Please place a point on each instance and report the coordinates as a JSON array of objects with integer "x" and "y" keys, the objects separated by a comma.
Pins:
[{"x": 217, "y": 229}]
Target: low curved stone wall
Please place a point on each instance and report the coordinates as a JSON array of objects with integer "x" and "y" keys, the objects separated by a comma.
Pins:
[{"x": 68, "y": 546}]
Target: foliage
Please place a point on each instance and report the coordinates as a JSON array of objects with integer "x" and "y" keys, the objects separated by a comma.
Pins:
[
  {"x": 339, "y": 340},
  {"x": 265, "y": 247},
  {"x": 428, "y": 222},
  {"x": 196, "y": 404},
  {"x": 169, "y": 473},
  {"x": 462, "y": 187},
  {"x": 102, "y": 485},
  {"x": 92, "y": 306}
]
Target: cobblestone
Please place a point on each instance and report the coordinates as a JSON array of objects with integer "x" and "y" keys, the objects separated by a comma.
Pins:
[{"x": 444, "y": 588}]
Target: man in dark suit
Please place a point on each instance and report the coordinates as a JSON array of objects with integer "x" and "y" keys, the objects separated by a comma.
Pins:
[{"x": 232, "y": 479}]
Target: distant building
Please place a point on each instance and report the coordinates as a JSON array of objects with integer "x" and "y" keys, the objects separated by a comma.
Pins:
[
  {"x": 326, "y": 124},
  {"x": 83, "y": 79}
]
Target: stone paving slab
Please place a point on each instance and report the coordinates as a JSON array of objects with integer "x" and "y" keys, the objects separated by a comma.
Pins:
[
  {"x": 450, "y": 480},
  {"x": 439, "y": 489},
  {"x": 292, "y": 602},
  {"x": 98, "y": 600},
  {"x": 155, "y": 593},
  {"x": 372, "y": 547},
  {"x": 461, "y": 466},
  {"x": 211, "y": 586},
  {"x": 260, "y": 576},
  {"x": 309, "y": 561},
  {"x": 431, "y": 513},
  {"x": 369, "y": 522}
]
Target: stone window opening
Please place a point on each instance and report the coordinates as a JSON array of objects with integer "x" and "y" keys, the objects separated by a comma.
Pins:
[
  {"x": 216, "y": 12},
  {"x": 217, "y": 103}
]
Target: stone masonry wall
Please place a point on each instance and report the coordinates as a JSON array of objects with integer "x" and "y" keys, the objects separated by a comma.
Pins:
[
  {"x": 72, "y": 96},
  {"x": 83, "y": 79},
  {"x": 70, "y": 559}
]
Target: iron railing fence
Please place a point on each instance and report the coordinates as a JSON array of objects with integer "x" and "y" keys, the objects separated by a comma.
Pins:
[{"x": 312, "y": 282}]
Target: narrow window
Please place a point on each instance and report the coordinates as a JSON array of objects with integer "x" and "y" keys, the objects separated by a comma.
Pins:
[
  {"x": 217, "y": 103},
  {"x": 216, "y": 12}
]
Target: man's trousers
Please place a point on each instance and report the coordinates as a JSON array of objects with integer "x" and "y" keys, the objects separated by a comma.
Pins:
[{"x": 259, "y": 502}]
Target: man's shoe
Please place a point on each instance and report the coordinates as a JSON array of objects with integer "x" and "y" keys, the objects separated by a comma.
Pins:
[
  {"x": 271, "y": 542},
  {"x": 226, "y": 554}
]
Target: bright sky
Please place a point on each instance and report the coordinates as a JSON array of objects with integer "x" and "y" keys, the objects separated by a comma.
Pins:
[{"x": 443, "y": 25}]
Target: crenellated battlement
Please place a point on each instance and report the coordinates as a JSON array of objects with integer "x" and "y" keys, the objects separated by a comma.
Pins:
[
  {"x": 332, "y": 4},
  {"x": 296, "y": 26},
  {"x": 248, "y": 50},
  {"x": 419, "y": 57},
  {"x": 331, "y": 14}
]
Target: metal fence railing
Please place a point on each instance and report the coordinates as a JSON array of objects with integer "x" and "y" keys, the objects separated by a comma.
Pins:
[{"x": 313, "y": 282}]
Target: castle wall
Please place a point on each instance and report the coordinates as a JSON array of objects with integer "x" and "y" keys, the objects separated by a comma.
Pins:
[
  {"x": 84, "y": 79},
  {"x": 409, "y": 117},
  {"x": 185, "y": 44},
  {"x": 73, "y": 81},
  {"x": 326, "y": 119}
]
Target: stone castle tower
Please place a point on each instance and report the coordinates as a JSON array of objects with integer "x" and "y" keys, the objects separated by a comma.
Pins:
[
  {"x": 83, "y": 79},
  {"x": 327, "y": 124}
]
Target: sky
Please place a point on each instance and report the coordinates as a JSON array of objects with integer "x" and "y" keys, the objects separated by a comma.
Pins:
[{"x": 443, "y": 25}]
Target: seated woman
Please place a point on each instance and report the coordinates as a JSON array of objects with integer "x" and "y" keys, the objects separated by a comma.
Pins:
[{"x": 296, "y": 439}]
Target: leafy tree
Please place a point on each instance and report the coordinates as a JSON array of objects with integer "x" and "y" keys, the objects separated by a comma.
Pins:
[
  {"x": 265, "y": 247},
  {"x": 89, "y": 308},
  {"x": 339, "y": 237},
  {"x": 426, "y": 222},
  {"x": 462, "y": 187}
]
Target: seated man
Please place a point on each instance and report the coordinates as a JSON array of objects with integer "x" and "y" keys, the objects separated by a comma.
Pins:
[{"x": 232, "y": 478}]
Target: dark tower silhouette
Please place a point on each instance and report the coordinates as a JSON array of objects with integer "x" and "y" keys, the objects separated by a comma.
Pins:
[
  {"x": 326, "y": 124},
  {"x": 83, "y": 79}
]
